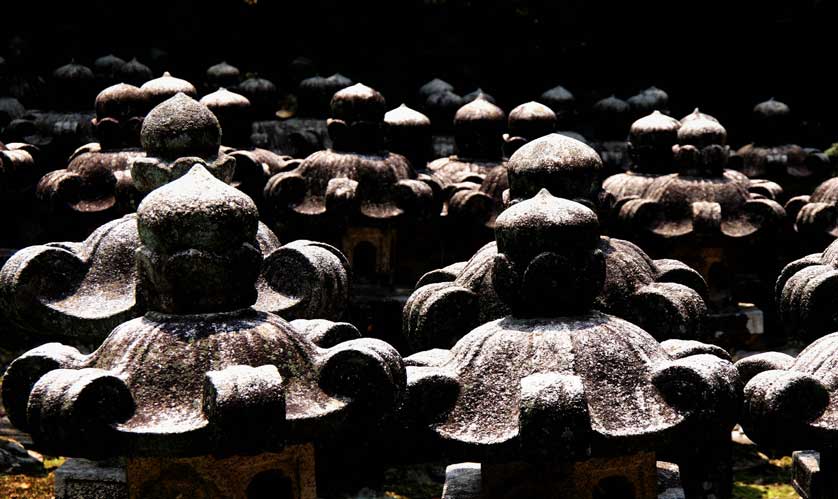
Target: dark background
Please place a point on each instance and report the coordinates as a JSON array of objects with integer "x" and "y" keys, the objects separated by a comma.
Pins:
[{"x": 724, "y": 56}]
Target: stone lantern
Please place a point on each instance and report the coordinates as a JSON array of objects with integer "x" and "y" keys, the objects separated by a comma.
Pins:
[
  {"x": 663, "y": 296},
  {"x": 78, "y": 292},
  {"x": 96, "y": 186},
  {"x": 706, "y": 216},
  {"x": 773, "y": 156},
  {"x": 441, "y": 106},
  {"x": 790, "y": 405},
  {"x": 651, "y": 140},
  {"x": 254, "y": 165},
  {"x": 805, "y": 294},
  {"x": 469, "y": 208},
  {"x": 557, "y": 399},
  {"x": 18, "y": 177},
  {"x": 478, "y": 129},
  {"x": 175, "y": 135},
  {"x": 106, "y": 70},
  {"x": 366, "y": 201},
  {"x": 221, "y": 75},
  {"x": 204, "y": 395},
  {"x": 63, "y": 128},
  {"x": 647, "y": 101},
  {"x": 303, "y": 131},
  {"x": 135, "y": 73},
  {"x": 527, "y": 122},
  {"x": 563, "y": 104},
  {"x": 611, "y": 120},
  {"x": 409, "y": 133}
]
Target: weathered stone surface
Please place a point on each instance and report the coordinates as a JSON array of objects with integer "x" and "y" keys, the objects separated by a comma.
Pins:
[
  {"x": 355, "y": 195},
  {"x": 612, "y": 117},
  {"x": 15, "y": 460},
  {"x": 80, "y": 291},
  {"x": 409, "y": 134},
  {"x": 314, "y": 95},
  {"x": 56, "y": 134},
  {"x": 790, "y": 403},
  {"x": 287, "y": 474},
  {"x": 72, "y": 87},
  {"x": 712, "y": 218},
  {"x": 167, "y": 86},
  {"x": 263, "y": 96},
  {"x": 805, "y": 295},
  {"x": 556, "y": 380},
  {"x": 254, "y": 166},
  {"x": 651, "y": 139},
  {"x": 81, "y": 478},
  {"x": 201, "y": 372},
  {"x": 135, "y": 73},
  {"x": 305, "y": 132},
  {"x": 563, "y": 103},
  {"x": 18, "y": 176},
  {"x": 106, "y": 70},
  {"x": 441, "y": 107},
  {"x": 564, "y": 166},
  {"x": 434, "y": 86},
  {"x": 815, "y": 216},
  {"x": 649, "y": 100},
  {"x": 222, "y": 75},
  {"x": 664, "y": 297},
  {"x": 176, "y": 135},
  {"x": 96, "y": 186},
  {"x": 527, "y": 122},
  {"x": 464, "y": 481},
  {"x": 773, "y": 157}
]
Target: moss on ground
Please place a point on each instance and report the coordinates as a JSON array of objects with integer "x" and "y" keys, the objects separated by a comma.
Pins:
[
  {"x": 31, "y": 487},
  {"x": 757, "y": 476}
]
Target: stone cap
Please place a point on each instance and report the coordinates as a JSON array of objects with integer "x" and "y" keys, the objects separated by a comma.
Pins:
[
  {"x": 545, "y": 223},
  {"x": 558, "y": 94},
  {"x": 656, "y": 128},
  {"x": 648, "y": 100},
  {"x": 358, "y": 103},
  {"x": 108, "y": 64},
  {"x": 315, "y": 93},
  {"x": 223, "y": 99},
  {"x": 566, "y": 167},
  {"x": 548, "y": 263},
  {"x": 73, "y": 72},
  {"x": 223, "y": 74},
  {"x": 478, "y": 93},
  {"x": 197, "y": 211},
  {"x": 403, "y": 116},
  {"x": 611, "y": 105},
  {"x": 121, "y": 101},
  {"x": 181, "y": 126},
  {"x": 164, "y": 87},
  {"x": 697, "y": 115},
  {"x": 479, "y": 111},
  {"x": 135, "y": 72},
  {"x": 700, "y": 130},
  {"x": 434, "y": 86},
  {"x": 771, "y": 109},
  {"x": 531, "y": 119}
]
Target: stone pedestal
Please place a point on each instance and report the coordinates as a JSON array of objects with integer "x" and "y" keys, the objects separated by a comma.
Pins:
[
  {"x": 85, "y": 479},
  {"x": 289, "y": 474},
  {"x": 626, "y": 477},
  {"x": 286, "y": 475},
  {"x": 813, "y": 474}
]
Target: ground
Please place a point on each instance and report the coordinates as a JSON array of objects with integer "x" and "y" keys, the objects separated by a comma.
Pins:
[{"x": 756, "y": 477}]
